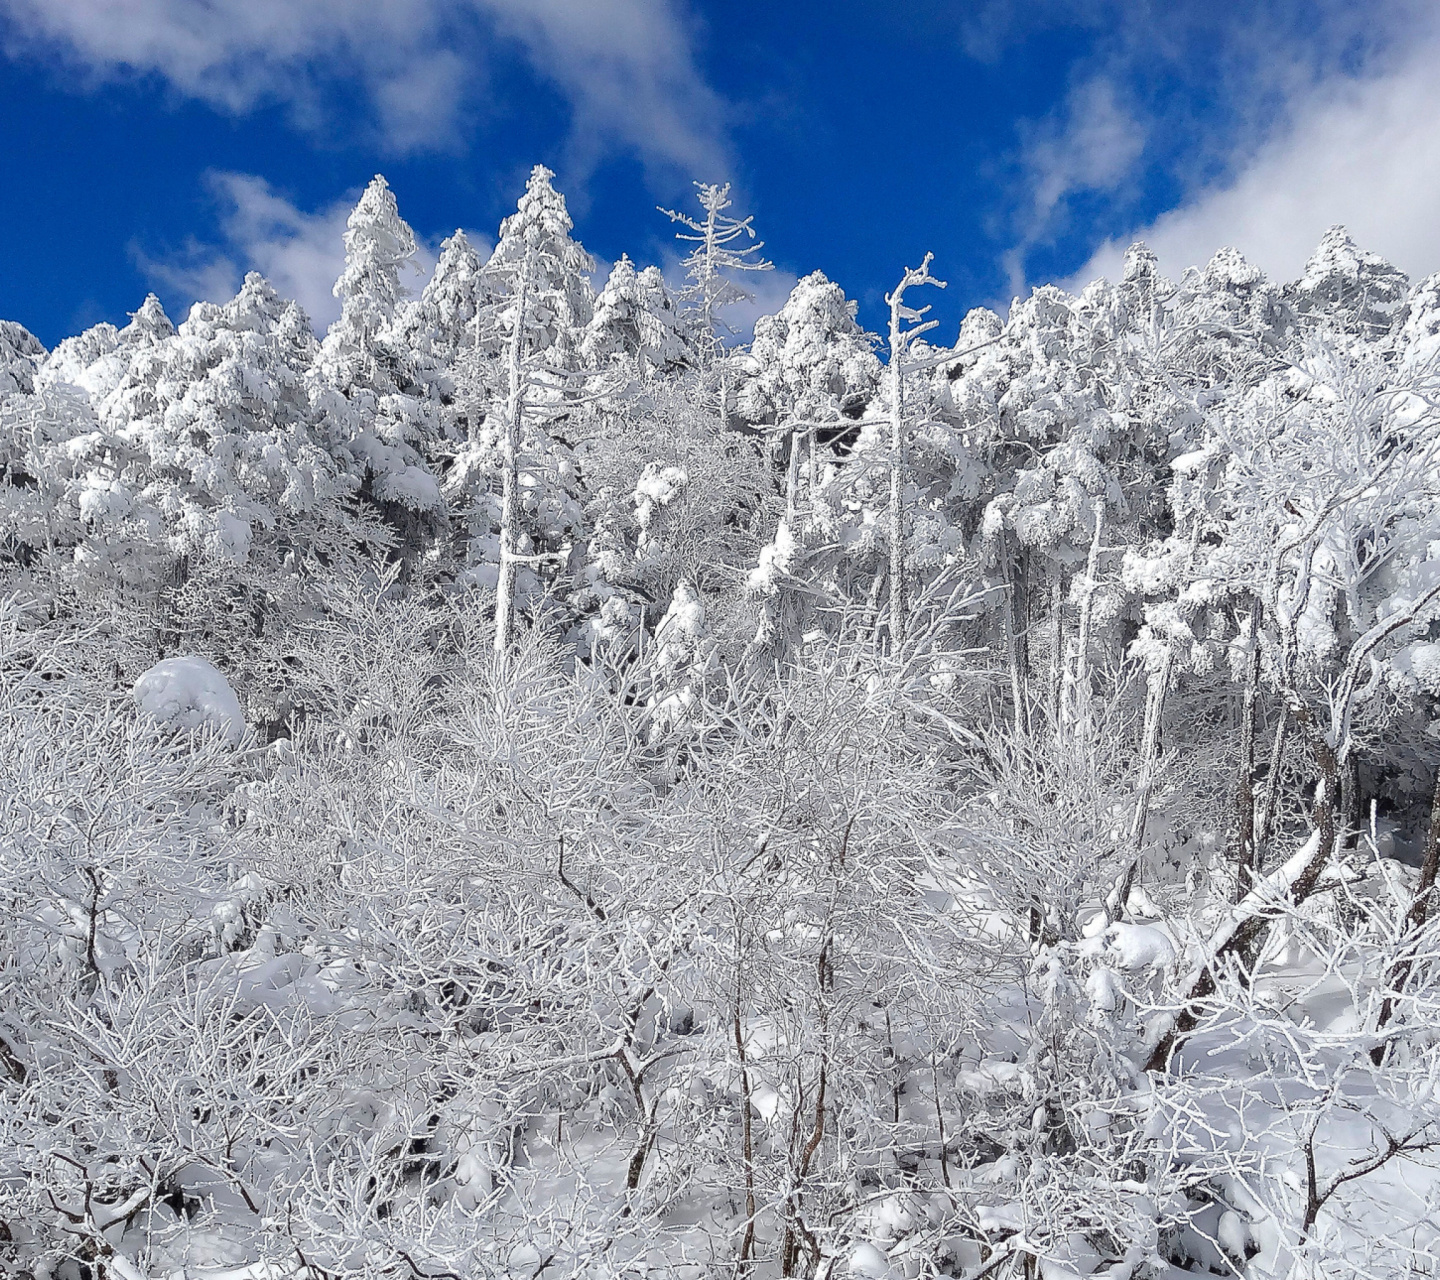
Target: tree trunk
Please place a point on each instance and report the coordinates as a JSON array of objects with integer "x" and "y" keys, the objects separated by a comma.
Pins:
[
  {"x": 1272, "y": 790},
  {"x": 1081, "y": 693},
  {"x": 1327, "y": 804},
  {"x": 792, "y": 479},
  {"x": 1415, "y": 920},
  {"x": 1244, "y": 852},
  {"x": 812, "y": 464},
  {"x": 1149, "y": 766},
  {"x": 1350, "y": 801},
  {"x": 897, "y": 485},
  {"x": 747, "y": 1242},
  {"x": 1057, "y": 652},
  {"x": 1012, "y": 647},
  {"x": 510, "y": 476}
]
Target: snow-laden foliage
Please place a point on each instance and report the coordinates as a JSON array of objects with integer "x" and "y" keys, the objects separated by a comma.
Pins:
[
  {"x": 637, "y": 319},
  {"x": 523, "y": 787}
]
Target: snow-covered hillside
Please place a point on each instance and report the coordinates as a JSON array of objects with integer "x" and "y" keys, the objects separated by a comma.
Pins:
[{"x": 530, "y": 786}]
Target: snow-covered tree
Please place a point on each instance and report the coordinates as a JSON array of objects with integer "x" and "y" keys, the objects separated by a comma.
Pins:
[
  {"x": 389, "y": 385},
  {"x": 441, "y": 323},
  {"x": 20, "y": 354},
  {"x": 635, "y": 318},
  {"x": 713, "y": 265},
  {"x": 811, "y": 371},
  {"x": 1348, "y": 289},
  {"x": 561, "y": 300},
  {"x": 543, "y": 301}
]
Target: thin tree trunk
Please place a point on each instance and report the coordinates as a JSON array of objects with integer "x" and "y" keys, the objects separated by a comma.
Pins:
[
  {"x": 1081, "y": 692},
  {"x": 792, "y": 479},
  {"x": 872, "y": 615},
  {"x": 1415, "y": 920},
  {"x": 796, "y": 1232},
  {"x": 1149, "y": 766},
  {"x": 1327, "y": 806},
  {"x": 1022, "y": 611},
  {"x": 747, "y": 1242},
  {"x": 900, "y": 340},
  {"x": 1012, "y": 657},
  {"x": 1012, "y": 648},
  {"x": 812, "y": 466},
  {"x": 1245, "y": 851},
  {"x": 897, "y": 486},
  {"x": 510, "y": 476},
  {"x": 1057, "y": 652},
  {"x": 940, "y": 1121},
  {"x": 1272, "y": 789},
  {"x": 1350, "y": 801}
]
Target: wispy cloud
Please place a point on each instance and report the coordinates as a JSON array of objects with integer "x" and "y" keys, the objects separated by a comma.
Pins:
[
  {"x": 1175, "y": 101},
  {"x": 1091, "y": 144},
  {"x": 769, "y": 291},
  {"x": 1363, "y": 152},
  {"x": 627, "y": 67}
]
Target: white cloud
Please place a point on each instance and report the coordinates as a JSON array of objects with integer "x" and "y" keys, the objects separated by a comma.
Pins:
[
  {"x": 197, "y": 273},
  {"x": 629, "y": 70},
  {"x": 1092, "y": 143},
  {"x": 300, "y": 253},
  {"x": 1362, "y": 152},
  {"x": 627, "y": 66}
]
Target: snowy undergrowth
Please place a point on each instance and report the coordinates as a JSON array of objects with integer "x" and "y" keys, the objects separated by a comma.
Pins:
[{"x": 505, "y": 985}]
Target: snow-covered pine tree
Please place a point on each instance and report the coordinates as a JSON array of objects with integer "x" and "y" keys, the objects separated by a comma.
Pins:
[
  {"x": 561, "y": 298},
  {"x": 441, "y": 323},
  {"x": 808, "y": 378},
  {"x": 206, "y": 481},
  {"x": 395, "y": 409},
  {"x": 513, "y": 483},
  {"x": 636, "y": 319},
  {"x": 1347, "y": 289},
  {"x": 809, "y": 375},
  {"x": 20, "y": 355},
  {"x": 71, "y": 428},
  {"x": 24, "y": 470}
]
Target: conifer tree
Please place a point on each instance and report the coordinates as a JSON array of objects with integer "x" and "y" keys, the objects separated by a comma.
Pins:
[
  {"x": 636, "y": 319},
  {"x": 542, "y": 303},
  {"x": 442, "y": 323},
  {"x": 712, "y": 265},
  {"x": 395, "y": 417}
]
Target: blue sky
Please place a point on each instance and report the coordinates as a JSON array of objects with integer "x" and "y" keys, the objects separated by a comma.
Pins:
[{"x": 172, "y": 144}]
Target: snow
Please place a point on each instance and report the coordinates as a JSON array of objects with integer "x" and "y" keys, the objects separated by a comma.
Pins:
[
  {"x": 1138, "y": 946},
  {"x": 412, "y": 487},
  {"x": 775, "y": 561},
  {"x": 1189, "y": 463},
  {"x": 1000, "y": 1217},
  {"x": 657, "y": 487},
  {"x": 190, "y": 693},
  {"x": 231, "y": 539},
  {"x": 1233, "y": 1234},
  {"x": 867, "y": 1261}
]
